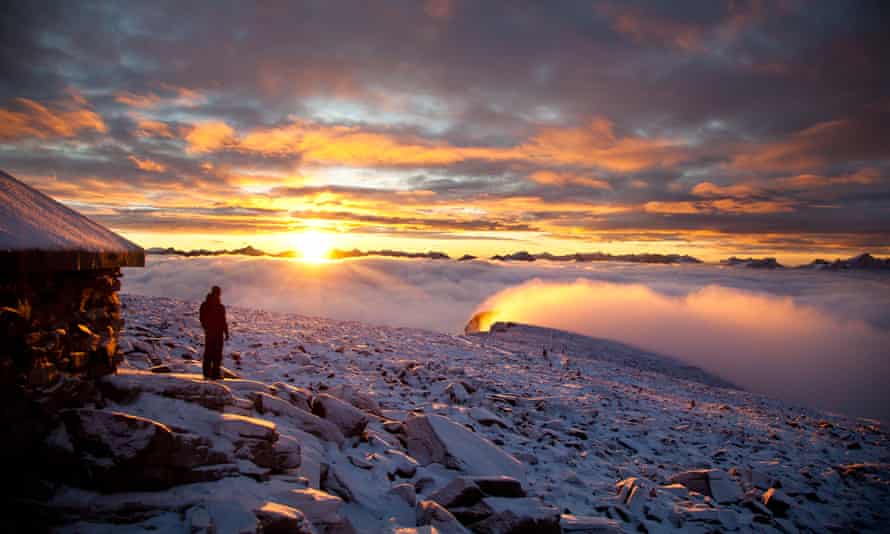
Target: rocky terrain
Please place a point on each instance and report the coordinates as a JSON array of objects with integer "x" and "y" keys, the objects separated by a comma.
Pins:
[{"x": 329, "y": 426}]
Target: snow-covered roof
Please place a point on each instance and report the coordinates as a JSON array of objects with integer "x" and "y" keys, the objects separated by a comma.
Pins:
[{"x": 38, "y": 233}]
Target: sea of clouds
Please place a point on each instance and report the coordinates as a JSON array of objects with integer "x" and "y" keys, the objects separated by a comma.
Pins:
[{"x": 817, "y": 338}]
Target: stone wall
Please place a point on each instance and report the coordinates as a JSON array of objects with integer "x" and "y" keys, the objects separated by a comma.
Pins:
[{"x": 58, "y": 332}]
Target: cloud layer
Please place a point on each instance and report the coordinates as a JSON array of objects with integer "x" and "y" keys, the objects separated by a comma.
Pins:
[{"x": 814, "y": 338}]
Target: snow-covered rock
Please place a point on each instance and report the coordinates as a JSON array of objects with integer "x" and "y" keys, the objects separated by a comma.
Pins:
[
  {"x": 513, "y": 516},
  {"x": 435, "y": 515},
  {"x": 127, "y": 384},
  {"x": 349, "y": 419},
  {"x": 435, "y": 438},
  {"x": 277, "y": 518},
  {"x": 711, "y": 482}
]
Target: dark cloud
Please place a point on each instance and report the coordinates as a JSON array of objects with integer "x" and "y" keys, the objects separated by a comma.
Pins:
[{"x": 628, "y": 105}]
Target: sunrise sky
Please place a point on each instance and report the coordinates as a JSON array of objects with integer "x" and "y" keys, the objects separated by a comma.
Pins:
[{"x": 707, "y": 128}]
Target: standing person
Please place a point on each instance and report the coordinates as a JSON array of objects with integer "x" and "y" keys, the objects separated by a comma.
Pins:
[{"x": 213, "y": 320}]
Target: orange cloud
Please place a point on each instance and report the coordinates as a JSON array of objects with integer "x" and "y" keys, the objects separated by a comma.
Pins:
[
  {"x": 866, "y": 176},
  {"x": 723, "y": 205},
  {"x": 33, "y": 119},
  {"x": 563, "y": 179},
  {"x": 595, "y": 145},
  {"x": 149, "y": 100},
  {"x": 176, "y": 96},
  {"x": 671, "y": 208},
  {"x": 709, "y": 190},
  {"x": 147, "y": 164},
  {"x": 150, "y": 128},
  {"x": 806, "y": 150},
  {"x": 209, "y": 136}
]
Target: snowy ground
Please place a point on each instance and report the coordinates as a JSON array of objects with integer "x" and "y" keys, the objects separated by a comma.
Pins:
[{"x": 599, "y": 430}]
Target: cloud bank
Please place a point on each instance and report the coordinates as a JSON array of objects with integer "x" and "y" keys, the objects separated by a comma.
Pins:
[{"x": 813, "y": 338}]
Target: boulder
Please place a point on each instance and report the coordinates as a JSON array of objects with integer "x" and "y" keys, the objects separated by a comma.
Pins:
[
  {"x": 435, "y": 438},
  {"x": 113, "y": 451},
  {"x": 460, "y": 492},
  {"x": 322, "y": 509},
  {"x": 500, "y": 486},
  {"x": 237, "y": 426},
  {"x": 777, "y": 501},
  {"x": 456, "y": 393},
  {"x": 349, "y": 419},
  {"x": 403, "y": 465},
  {"x": 299, "y": 397},
  {"x": 515, "y": 516},
  {"x": 486, "y": 417},
  {"x": 127, "y": 384},
  {"x": 714, "y": 483},
  {"x": 356, "y": 397},
  {"x": 406, "y": 492},
  {"x": 288, "y": 453},
  {"x": 312, "y": 424},
  {"x": 277, "y": 518},
  {"x": 435, "y": 515},
  {"x": 579, "y": 524}
]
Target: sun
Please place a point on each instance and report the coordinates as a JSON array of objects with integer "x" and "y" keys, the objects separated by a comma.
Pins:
[{"x": 313, "y": 246}]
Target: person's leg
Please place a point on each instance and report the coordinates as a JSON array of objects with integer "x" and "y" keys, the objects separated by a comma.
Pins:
[
  {"x": 205, "y": 364},
  {"x": 217, "y": 360}
]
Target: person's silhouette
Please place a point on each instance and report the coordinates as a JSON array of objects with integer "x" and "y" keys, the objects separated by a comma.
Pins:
[{"x": 213, "y": 320}]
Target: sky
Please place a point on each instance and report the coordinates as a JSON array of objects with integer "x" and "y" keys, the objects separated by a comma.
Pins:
[{"x": 709, "y": 128}]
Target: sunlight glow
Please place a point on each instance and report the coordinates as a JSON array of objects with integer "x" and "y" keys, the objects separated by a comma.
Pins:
[{"x": 313, "y": 246}]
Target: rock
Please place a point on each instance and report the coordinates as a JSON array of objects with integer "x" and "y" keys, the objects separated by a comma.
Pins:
[
  {"x": 456, "y": 393},
  {"x": 460, "y": 492},
  {"x": 580, "y": 524},
  {"x": 299, "y": 397},
  {"x": 288, "y": 453},
  {"x": 501, "y": 486},
  {"x": 361, "y": 486},
  {"x": 303, "y": 420},
  {"x": 349, "y": 419},
  {"x": 435, "y": 515},
  {"x": 127, "y": 384},
  {"x": 228, "y": 374},
  {"x": 239, "y": 426},
  {"x": 114, "y": 451},
  {"x": 777, "y": 501},
  {"x": 322, "y": 509},
  {"x": 634, "y": 492},
  {"x": 403, "y": 465},
  {"x": 160, "y": 369},
  {"x": 356, "y": 397},
  {"x": 406, "y": 492},
  {"x": 198, "y": 520},
  {"x": 277, "y": 518},
  {"x": 714, "y": 483},
  {"x": 515, "y": 516},
  {"x": 486, "y": 417},
  {"x": 435, "y": 438}
]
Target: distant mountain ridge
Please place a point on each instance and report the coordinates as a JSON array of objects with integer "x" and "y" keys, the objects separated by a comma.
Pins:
[{"x": 863, "y": 261}]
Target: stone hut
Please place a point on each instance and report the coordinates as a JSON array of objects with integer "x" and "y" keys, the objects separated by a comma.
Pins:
[{"x": 59, "y": 308}]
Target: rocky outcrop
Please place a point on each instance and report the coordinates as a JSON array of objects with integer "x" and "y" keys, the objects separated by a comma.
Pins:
[
  {"x": 114, "y": 451},
  {"x": 127, "y": 384}
]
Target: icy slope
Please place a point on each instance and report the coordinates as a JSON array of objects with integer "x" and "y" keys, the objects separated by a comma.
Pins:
[{"x": 598, "y": 437}]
